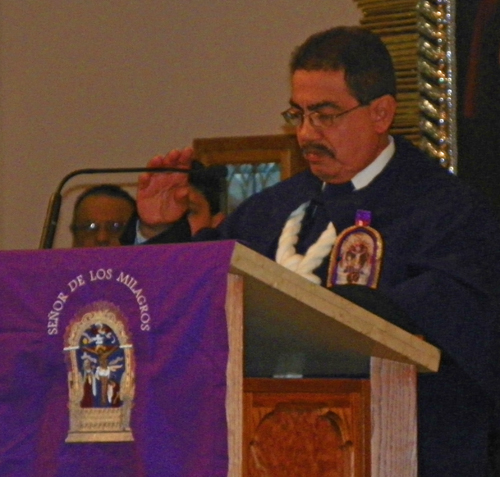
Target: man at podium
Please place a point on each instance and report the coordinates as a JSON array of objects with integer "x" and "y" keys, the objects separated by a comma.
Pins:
[{"x": 440, "y": 263}]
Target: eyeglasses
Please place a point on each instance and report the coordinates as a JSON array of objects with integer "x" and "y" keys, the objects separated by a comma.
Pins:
[
  {"x": 318, "y": 119},
  {"x": 93, "y": 228}
]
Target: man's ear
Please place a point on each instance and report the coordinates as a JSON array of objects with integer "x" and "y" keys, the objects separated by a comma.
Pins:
[
  {"x": 382, "y": 111},
  {"x": 217, "y": 219}
]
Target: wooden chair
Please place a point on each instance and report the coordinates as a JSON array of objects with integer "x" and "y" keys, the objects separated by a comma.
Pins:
[
  {"x": 254, "y": 162},
  {"x": 280, "y": 148}
]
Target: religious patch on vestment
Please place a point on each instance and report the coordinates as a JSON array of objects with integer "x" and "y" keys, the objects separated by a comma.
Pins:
[
  {"x": 100, "y": 375},
  {"x": 356, "y": 258}
]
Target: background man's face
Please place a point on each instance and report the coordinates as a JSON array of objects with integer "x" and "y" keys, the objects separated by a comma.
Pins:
[
  {"x": 200, "y": 216},
  {"x": 109, "y": 214}
]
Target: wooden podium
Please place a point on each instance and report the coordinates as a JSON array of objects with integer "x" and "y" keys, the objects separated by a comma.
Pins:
[{"x": 355, "y": 416}]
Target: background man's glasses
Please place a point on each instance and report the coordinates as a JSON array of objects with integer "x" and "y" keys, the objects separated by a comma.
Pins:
[
  {"x": 318, "y": 119},
  {"x": 93, "y": 228}
]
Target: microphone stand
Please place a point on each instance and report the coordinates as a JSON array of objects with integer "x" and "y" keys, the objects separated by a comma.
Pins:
[{"x": 54, "y": 207}]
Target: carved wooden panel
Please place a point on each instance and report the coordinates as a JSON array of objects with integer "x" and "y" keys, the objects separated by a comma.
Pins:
[{"x": 306, "y": 427}]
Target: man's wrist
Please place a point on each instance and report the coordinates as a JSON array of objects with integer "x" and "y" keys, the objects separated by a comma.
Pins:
[{"x": 145, "y": 231}]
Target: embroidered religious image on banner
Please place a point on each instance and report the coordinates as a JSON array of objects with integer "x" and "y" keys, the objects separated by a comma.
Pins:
[{"x": 100, "y": 374}]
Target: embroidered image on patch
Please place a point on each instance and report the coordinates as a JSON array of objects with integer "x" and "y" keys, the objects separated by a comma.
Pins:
[
  {"x": 356, "y": 258},
  {"x": 100, "y": 375}
]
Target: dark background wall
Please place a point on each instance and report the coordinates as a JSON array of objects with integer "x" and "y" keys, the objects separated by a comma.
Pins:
[{"x": 478, "y": 98}]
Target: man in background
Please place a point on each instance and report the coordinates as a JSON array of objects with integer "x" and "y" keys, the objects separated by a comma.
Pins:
[{"x": 100, "y": 215}]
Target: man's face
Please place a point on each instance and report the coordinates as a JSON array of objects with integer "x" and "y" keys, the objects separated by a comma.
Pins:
[
  {"x": 200, "y": 216},
  {"x": 337, "y": 153},
  {"x": 109, "y": 216}
]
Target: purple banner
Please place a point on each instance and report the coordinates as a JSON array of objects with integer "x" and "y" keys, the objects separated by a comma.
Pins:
[{"x": 171, "y": 299}]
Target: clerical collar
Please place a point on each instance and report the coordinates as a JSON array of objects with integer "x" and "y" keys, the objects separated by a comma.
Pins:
[{"x": 363, "y": 178}]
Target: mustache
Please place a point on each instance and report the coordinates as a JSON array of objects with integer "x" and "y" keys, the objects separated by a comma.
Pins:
[{"x": 315, "y": 148}]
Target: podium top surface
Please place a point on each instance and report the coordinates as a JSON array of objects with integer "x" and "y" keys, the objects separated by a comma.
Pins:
[{"x": 287, "y": 314}]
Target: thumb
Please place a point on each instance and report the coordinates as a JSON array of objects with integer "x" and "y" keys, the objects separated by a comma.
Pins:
[{"x": 181, "y": 193}]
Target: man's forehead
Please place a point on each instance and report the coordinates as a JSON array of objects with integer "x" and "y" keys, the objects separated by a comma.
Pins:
[
  {"x": 104, "y": 199},
  {"x": 100, "y": 204},
  {"x": 316, "y": 89},
  {"x": 316, "y": 106},
  {"x": 319, "y": 76}
]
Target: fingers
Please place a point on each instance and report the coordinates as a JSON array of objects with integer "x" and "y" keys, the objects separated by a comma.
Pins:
[
  {"x": 145, "y": 177},
  {"x": 176, "y": 158},
  {"x": 157, "y": 161},
  {"x": 181, "y": 158}
]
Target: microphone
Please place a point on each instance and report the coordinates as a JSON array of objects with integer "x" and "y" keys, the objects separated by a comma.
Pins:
[{"x": 54, "y": 207}]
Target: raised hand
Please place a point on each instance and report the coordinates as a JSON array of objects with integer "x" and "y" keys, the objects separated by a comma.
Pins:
[{"x": 162, "y": 198}]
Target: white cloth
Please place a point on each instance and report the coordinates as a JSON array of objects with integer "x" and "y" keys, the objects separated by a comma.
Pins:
[{"x": 286, "y": 254}]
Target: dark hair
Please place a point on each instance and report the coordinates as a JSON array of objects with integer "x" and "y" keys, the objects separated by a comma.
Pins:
[
  {"x": 211, "y": 182},
  {"x": 109, "y": 190},
  {"x": 361, "y": 54}
]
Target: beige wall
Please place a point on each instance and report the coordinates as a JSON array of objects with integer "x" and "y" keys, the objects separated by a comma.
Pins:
[{"x": 111, "y": 83}]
